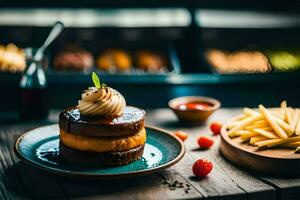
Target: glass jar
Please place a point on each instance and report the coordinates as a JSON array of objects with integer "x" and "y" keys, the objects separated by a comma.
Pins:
[{"x": 33, "y": 102}]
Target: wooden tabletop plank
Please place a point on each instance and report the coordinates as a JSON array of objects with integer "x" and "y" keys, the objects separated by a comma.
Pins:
[
  {"x": 287, "y": 188},
  {"x": 145, "y": 187},
  {"x": 10, "y": 183},
  {"x": 225, "y": 180},
  {"x": 27, "y": 181}
]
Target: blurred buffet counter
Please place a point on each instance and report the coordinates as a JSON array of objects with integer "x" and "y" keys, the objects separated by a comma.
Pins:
[{"x": 242, "y": 57}]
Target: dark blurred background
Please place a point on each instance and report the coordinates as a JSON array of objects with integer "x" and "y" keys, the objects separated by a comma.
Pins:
[{"x": 240, "y": 52}]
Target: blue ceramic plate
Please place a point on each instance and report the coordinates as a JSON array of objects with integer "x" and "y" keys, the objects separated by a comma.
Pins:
[{"x": 39, "y": 147}]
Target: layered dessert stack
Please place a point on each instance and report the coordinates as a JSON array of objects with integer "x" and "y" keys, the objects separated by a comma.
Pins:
[{"x": 101, "y": 129}]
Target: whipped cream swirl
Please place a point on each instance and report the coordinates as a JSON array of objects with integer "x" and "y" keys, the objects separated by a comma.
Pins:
[{"x": 104, "y": 102}]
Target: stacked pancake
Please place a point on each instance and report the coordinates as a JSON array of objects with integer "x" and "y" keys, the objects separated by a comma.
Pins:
[{"x": 102, "y": 130}]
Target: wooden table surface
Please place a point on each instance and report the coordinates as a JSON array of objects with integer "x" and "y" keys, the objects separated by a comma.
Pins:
[{"x": 19, "y": 180}]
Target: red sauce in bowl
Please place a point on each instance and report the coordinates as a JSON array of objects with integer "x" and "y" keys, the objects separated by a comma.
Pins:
[{"x": 194, "y": 105}]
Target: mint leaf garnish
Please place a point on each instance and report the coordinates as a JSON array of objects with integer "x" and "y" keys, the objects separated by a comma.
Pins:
[{"x": 96, "y": 80}]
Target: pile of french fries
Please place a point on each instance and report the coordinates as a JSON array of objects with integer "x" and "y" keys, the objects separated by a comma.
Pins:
[{"x": 267, "y": 128}]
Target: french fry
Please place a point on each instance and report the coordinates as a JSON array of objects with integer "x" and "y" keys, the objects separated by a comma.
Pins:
[
  {"x": 283, "y": 108},
  {"x": 283, "y": 105},
  {"x": 278, "y": 120},
  {"x": 266, "y": 142},
  {"x": 241, "y": 117},
  {"x": 262, "y": 121},
  {"x": 266, "y": 134},
  {"x": 253, "y": 126},
  {"x": 278, "y": 115},
  {"x": 236, "y": 121},
  {"x": 257, "y": 139},
  {"x": 289, "y": 117},
  {"x": 242, "y": 124},
  {"x": 275, "y": 112},
  {"x": 291, "y": 145},
  {"x": 233, "y": 124},
  {"x": 280, "y": 132},
  {"x": 250, "y": 112},
  {"x": 241, "y": 132},
  {"x": 278, "y": 112},
  {"x": 283, "y": 125},
  {"x": 292, "y": 111},
  {"x": 246, "y": 136},
  {"x": 283, "y": 141},
  {"x": 297, "y": 131},
  {"x": 295, "y": 120},
  {"x": 266, "y": 128}
]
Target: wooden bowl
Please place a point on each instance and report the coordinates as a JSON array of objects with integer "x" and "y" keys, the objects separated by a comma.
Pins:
[
  {"x": 275, "y": 161},
  {"x": 193, "y": 116}
]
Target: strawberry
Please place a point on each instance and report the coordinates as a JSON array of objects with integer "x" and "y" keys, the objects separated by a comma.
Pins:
[
  {"x": 201, "y": 168},
  {"x": 205, "y": 142},
  {"x": 181, "y": 135},
  {"x": 215, "y": 127}
]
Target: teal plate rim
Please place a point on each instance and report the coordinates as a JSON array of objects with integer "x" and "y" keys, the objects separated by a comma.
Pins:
[{"x": 66, "y": 173}]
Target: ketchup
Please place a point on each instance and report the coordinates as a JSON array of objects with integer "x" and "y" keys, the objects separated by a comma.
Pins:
[{"x": 194, "y": 106}]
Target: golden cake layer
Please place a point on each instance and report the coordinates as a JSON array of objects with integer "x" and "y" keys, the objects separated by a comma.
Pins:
[{"x": 102, "y": 144}]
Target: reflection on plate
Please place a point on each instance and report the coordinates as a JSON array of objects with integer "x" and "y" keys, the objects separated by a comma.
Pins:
[{"x": 39, "y": 147}]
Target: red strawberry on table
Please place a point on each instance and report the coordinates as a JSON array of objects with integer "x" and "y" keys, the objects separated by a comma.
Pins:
[
  {"x": 202, "y": 168},
  {"x": 205, "y": 142},
  {"x": 215, "y": 128}
]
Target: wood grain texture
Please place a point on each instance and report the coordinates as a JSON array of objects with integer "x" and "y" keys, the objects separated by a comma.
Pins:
[
  {"x": 22, "y": 181},
  {"x": 11, "y": 187},
  {"x": 287, "y": 188},
  {"x": 225, "y": 182},
  {"x": 145, "y": 187}
]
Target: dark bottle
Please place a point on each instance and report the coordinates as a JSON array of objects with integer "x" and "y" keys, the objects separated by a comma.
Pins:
[{"x": 33, "y": 102}]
